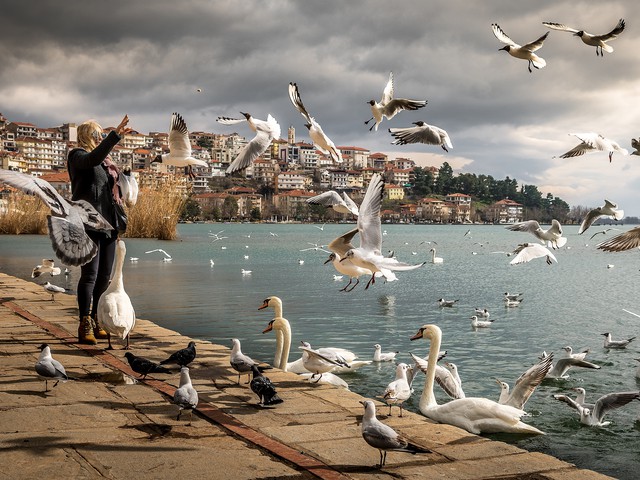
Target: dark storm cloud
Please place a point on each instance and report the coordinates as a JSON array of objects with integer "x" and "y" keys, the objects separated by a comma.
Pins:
[{"x": 68, "y": 61}]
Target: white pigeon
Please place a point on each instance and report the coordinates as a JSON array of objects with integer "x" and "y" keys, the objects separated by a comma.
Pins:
[
  {"x": 331, "y": 198},
  {"x": 421, "y": 133},
  {"x": 624, "y": 241},
  {"x": 67, "y": 220},
  {"x": 185, "y": 396},
  {"x": 368, "y": 255},
  {"x": 266, "y": 132},
  {"x": 524, "y": 52},
  {"x": 598, "y": 41},
  {"x": 594, "y": 142},
  {"x": 389, "y": 107},
  {"x": 47, "y": 266},
  {"x": 552, "y": 236},
  {"x": 608, "y": 209},
  {"x": 526, "y": 252},
  {"x": 319, "y": 138},
  {"x": 383, "y": 437},
  {"x": 53, "y": 289},
  {"x": 49, "y": 368},
  {"x": 179, "y": 147},
  {"x": 115, "y": 312}
]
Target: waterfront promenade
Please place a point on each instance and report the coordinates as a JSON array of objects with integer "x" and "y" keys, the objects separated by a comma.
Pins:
[{"x": 105, "y": 424}]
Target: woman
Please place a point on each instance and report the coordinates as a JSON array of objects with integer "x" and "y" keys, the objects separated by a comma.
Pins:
[{"x": 94, "y": 179}]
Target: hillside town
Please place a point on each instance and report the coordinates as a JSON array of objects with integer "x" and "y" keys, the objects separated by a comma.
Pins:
[{"x": 277, "y": 185}]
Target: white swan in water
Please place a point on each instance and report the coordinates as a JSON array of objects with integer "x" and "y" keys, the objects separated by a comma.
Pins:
[
  {"x": 473, "y": 414},
  {"x": 115, "y": 312},
  {"x": 282, "y": 329},
  {"x": 435, "y": 259}
]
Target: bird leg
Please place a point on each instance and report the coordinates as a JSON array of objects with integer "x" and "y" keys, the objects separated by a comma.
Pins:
[
  {"x": 179, "y": 413},
  {"x": 354, "y": 285},
  {"x": 346, "y": 286},
  {"x": 367, "y": 121},
  {"x": 610, "y": 155},
  {"x": 126, "y": 347},
  {"x": 371, "y": 281},
  {"x": 110, "y": 347},
  {"x": 529, "y": 66}
]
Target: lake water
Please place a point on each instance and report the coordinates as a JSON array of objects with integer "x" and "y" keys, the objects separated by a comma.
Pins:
[{"x": 568, "y": 303}]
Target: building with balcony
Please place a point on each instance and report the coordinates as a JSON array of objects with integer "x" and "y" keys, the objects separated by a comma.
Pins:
[{"x": 505, "y": 211}]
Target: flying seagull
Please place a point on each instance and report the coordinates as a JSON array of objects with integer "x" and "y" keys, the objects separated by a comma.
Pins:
[
  {"x": 179, "y": 147},
  {"x": 266, "y": 131},
  {"x": 525, "y": 52},
  {"x": 67, "y": 220},
  {"x": 598, "y": 41},
  {"x": 525, "y": 252},
  {"x": 389, "y": 107},
  {"x": 383, "y": 437},
  {"x": 608, "y": 209},
  {"x": 319, "y": 138},
  {"x": 592, "y": 142},
  {"x": 421, "y": 133},
  {"x": 525, "y": 384},
  {"x": 331, "y": 198},
  {"x": 143, "y": 366},
  {"x": 552, "y": 236},
  {"x": 47, "y": 266}
]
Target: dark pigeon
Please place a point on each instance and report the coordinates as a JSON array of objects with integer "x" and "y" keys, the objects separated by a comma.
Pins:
[
  {"x": 182, "y": 357},
  {"x": 262, "y": 386},
  {"x": 143, "y": 366}
]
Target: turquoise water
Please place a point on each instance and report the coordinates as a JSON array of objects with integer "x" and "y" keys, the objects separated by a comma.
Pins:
[{"x": 569, "y": 303}]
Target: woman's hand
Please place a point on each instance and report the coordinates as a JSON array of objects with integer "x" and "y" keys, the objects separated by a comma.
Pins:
[{"x": 122, "y": 128}]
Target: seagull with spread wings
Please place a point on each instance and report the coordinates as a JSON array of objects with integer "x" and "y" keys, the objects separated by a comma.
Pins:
[
  {"x": 67, "y": 220},
  {"x": 421, "y": 133},
  {"x": 598, "y": 41},
  {"x": 389, "y": 107},
  {"x": 319, "y": 138},
  {"x": 179, "y": 147},
  {"x": 608, "y": 209},
  {"x": 594, "y": 142},
  {"x": 331, "y": 198},
  {"x": 266, "y": 131},
  {"x": 524, "y": 52}
]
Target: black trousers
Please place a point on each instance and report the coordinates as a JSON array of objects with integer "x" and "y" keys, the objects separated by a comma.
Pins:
[{"x": 95, "y": 275}]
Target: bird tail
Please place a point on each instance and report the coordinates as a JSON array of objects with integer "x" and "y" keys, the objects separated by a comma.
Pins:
[
  {"x": 413, "y": 449},
  {"x": 159, "y": 369},
  {"x": 273, "y": 400},
  {"x": 261, "y": 368}
]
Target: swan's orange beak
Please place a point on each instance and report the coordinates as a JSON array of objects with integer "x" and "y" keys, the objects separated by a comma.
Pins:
[
  {"x": 269, "y": 327},
  {"x": 265, "y": 304},
  {"x": 417, "y": 335}
]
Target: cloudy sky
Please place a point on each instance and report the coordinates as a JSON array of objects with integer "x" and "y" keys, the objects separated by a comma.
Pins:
[{"x": 73, "y": 60}]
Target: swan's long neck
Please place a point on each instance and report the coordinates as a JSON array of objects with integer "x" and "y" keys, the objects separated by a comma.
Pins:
[
  {"x": 283, "y": 342},
  {"x": 428, "y": 399},
  {"x": 116, "y": 276}
]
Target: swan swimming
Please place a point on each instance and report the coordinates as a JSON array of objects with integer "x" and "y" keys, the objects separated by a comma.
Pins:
[{"x": 473, "y": 414}]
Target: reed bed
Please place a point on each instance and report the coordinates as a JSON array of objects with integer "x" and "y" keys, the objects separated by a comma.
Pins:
[
  {"x": 25, "y": 214},
  {"x": 157, "y": 211}
]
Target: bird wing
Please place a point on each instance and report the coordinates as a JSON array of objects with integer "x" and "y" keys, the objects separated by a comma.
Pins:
[
  {"x": 427, "y": 134},
  {"x": 179, "y": 145},
  {"x": 528, "y": 381},
  {"x": 70, "y": 241},
  {"x": 531, "y": 226},
  {"x": 503, "y": 37},
  {"x": 294, "y": 95},
  {"x": 591, "y": 217},
  {"x": 569, "y": 401},
  {"x": 230, "y": 121},
  {"x": 635, "y": 143},
  {"x": 529, "y": 251},
  {"x": 265, "y": 133},
  {"x": 612, "y": 401},
  {"x": 536, "y": 44},
  {"x": 398, "y": 104},
  {"x": 36, "y": 186},
  {"x": 329, "y": 199},
  {"x": 387, "y": 93},
  {"x": 342, "y": 244},
  {"x": 369, "y": 218},
  {"x": 617, "y": 30},
  {"x": 578, "y": 150},
  {"x": 447, "y": 382},
  {"x": 314, "y": 353},
  {"x": 559, "y": 26},
  {"x": 351, "y": 205},
  {"x": 622, "y": 242}
]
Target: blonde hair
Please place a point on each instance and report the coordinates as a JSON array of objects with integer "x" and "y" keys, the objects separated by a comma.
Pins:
[{"x": 89, "y": 134}]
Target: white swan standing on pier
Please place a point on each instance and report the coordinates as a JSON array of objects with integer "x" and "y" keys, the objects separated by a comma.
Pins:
[
  {"x": 115, "y": 312},
  {"x": 473, "y": 414}
]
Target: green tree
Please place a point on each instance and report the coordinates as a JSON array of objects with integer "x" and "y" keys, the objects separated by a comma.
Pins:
[
  {"x": 444, "y": 181},
  {"x": 190, "y": 210},
  {"x": 255, "y": 214},
  {"x": 423, "y": 182}
]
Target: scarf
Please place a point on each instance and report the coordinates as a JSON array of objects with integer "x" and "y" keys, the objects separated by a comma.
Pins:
[{"x": 113, "y": 171}]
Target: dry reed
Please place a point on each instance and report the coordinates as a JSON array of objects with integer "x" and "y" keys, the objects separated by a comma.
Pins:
[
  {"x": 25, "y": 214},
  {"x": 157, "y": 211}
]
